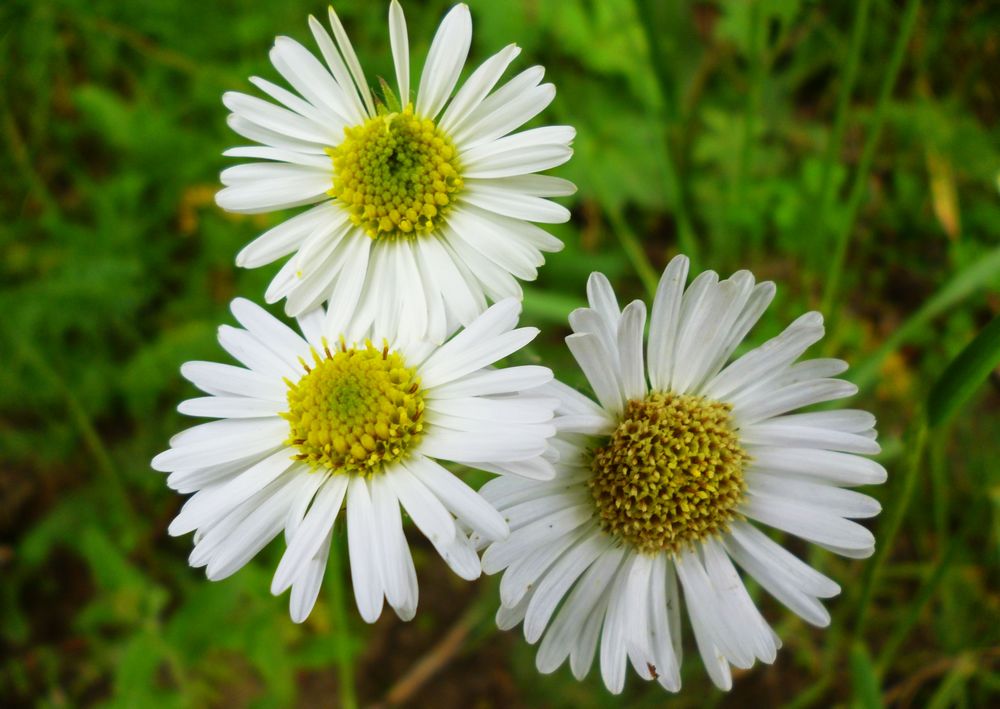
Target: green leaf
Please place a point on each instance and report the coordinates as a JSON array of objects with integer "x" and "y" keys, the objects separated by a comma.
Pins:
[
  {"x": 964, "y": 375},
  {"x": 979, "y": 274},
  {"x": 866, "y": 685}
]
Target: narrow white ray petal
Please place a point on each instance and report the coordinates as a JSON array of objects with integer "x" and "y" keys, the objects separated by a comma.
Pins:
[
  {"x": 663, "y": 323},
  {"x": 495, "y": 381},
  {"x": 254, "y": 436},
  {"x": 661, "y": 642},
  {"x": 311, "y": 534},
  {"x": 630, "y": 331},
  {"x": 808, "y": 522},
  {"x": 363, "y": 550},
  {"x": 279, "y": 120},
  {"x": 305, "y": 590},
  {"x": 614, "y": 639},
  {"x": 265, "y": 152},
  {"x": 400, "y": 43},
  {"x": 222, "y": 379},
  {"x": 746, "y": 623},
  {"x": 480, "y": 83},
  {"x": 511, "y": 203},
  {"x": 347, "y": 288},
  {"x": 595, "y": 362},
  {"x": 835, "y": 500},
  {"x": 460, "y": 499},
  {"x": 394, "y": 553},
  {"x": 351, "y": 59},
  {"x": 355, "y": 111},
  {"x": 231, "y": 407},
  {"x": 774, "y": 432},
  {"x": 557, "y": 582},
  {"x": 445, "y": 60},
  {"x": 481, "y": 129},
  {"x": 570, "y": 622},
  {"x": 771, "y": 358},
  {"x": 424, "y": 508},
  {"x": 274, "y": 138},
  {"x": 791, "y": 397},
  {"x": 523, "y": 575},
  {"x": 286, "y": 237},
  {"x": 837, "y": 468},
  {"x": 546, "y": 528},
  {"x": 308, "y": 76},
  {"x": 255, "y": 532}
]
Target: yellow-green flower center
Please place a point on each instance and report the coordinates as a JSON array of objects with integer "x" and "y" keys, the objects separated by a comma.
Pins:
[
  {"x": 355, "y": 410},
  {"x": 671, "y": 473},
  {"x": 396, "y": 174}
]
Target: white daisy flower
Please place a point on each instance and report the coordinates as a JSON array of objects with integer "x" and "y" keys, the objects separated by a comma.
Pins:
[
  {"x": 658, "y": 487},
  {"x": 423, "y": 205},
  {"x": 357, "y": 418}
]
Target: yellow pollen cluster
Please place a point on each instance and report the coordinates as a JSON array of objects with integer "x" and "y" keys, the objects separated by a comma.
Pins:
[
  {"x": 671, "y": 473},
  {"x": 396, "y": 174},
  {"x": 355, "y": 409}
]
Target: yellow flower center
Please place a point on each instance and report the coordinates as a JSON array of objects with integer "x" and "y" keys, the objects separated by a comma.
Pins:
[
  {"x": 355, "y": 410},
  {"x": 396, "y": 174},
  {"x": 671, "y": 473}
]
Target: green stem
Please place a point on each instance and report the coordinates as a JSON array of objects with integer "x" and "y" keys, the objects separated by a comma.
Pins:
[
  {"x": 633, "y": 249},
  {"x": 858, "y": 188},
  {"x": 755, "y": 55},
  {"x": 342, "y": 634},
  {"x": 891, "y": 522},
  {"x": 651, "y": 20},
  {"x": 835, "y": 145}
]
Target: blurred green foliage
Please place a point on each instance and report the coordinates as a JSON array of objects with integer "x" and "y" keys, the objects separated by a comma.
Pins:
[{"x": 750, "y": 133}]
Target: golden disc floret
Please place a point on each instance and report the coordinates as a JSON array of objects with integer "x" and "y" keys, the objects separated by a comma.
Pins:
[
  {"x": 355, "y": 410},
  {"x": 670, "y": 474},
  {"x": 397, "y": 174}
]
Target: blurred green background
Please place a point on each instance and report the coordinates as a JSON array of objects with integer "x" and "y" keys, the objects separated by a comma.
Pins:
[{"x": 849, "y": 151}]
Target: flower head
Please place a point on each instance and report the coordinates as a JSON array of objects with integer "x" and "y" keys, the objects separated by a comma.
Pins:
[
  {"x": 658, "y": 485},
  {"x": 356, "y": 416},
  {"x": 423, "y": 201}
]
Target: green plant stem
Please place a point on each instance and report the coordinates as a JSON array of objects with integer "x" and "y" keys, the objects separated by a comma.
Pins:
[
  {"x": 648, "y": 12},
  {"x": 892, "y": 521},
  {"x": 755, "y": 54},
  {"x": 858, "y": 188},
  {"x": 833, "y": 148},
  {"x": 342, "y": 634},
  {"x": 633, "y": 249}
]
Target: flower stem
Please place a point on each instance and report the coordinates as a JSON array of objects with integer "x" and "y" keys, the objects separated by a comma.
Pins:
[
  {"x": 858, "y": 188},
  {"x": 892, "y": 521},
  {"x": 342, "y": 634},
  {"x": 834, "y": 146}
]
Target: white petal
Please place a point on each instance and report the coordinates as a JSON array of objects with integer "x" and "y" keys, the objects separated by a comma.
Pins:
[
  {"x": 426, "y": 510},
  {"x": 663, "y": 322},
  {"x": 305, "y": 590},
  {"x": 614, "y": 640},
  {"x": 460, "y": 499},
  {"x": 791, "y": 397},
  {"x": 311, "y": 534},
  {"x": 837, "y": 468},
  {"x": 286, "y": 237},
  {"x": 394, "y": 554},
  {"x": 808, "y": 522},
  {"x": 597, "y": 366},
  {"x": 558, "y": 581},
  {"x": 630, "y": 330},
  {"x": 493, "y": 381},
  {"x": 363, "y": 550},
  {"x": 480, "y": 83},
  {"x": 351, "y": 59},
  {"x": 400, "y": 43},
  {"x": 221, "y": 379},
  {"x": 252, "y": 437},
  {"x": 445, "y": 60},
  {"x": 511, "y": 203}
]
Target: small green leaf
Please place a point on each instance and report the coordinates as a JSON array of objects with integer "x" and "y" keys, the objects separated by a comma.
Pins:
[{"x": 964, "y": 375}]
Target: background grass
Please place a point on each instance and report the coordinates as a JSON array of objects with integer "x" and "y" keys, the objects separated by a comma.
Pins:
[{"x": 849, "y": 151}]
